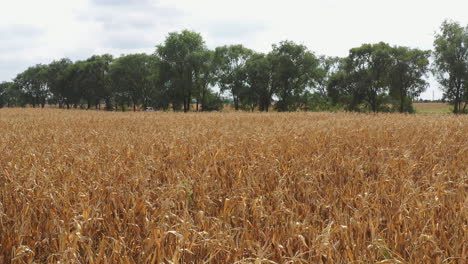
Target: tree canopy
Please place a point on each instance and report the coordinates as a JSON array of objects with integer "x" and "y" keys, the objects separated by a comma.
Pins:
[
  {"x": 184, "y": 74},
  {"x": 451, "y": 63}
]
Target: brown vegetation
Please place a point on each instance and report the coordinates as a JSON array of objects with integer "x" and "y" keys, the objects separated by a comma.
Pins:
[
  {"x": 96, "y": 187},
  {"x": 433, "y": 108}
]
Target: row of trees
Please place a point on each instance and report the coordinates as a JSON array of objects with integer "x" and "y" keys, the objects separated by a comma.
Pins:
[{"x": 183, "y": 73}]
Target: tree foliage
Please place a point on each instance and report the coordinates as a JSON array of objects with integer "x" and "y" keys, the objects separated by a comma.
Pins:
[
  {"x": 407, "y": 76},
  {"x": 295, "y": 69},
  {"x": 230, "y": 64},
  {"x": 376, "y": 75},
  {"x": 33, "y": 85},
  {"x": 451, "y": 63},
  {"x": 133, "y": 78},
  {"x": 259, "y": 78},
  {"x": 183, "y": 74},
  {"x": 181, "y": 57}
]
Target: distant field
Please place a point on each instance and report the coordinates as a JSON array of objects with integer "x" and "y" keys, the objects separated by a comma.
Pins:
[
  {"x": 432, "y": 108},
  {"x": 421, "y": 108},
  {"x": 112, "y": 187}
]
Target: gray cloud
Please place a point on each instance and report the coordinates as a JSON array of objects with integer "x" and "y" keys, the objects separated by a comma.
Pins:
[
  {"x": 234, "y": 29},
  {"x": 119, "y": 2},
  {"x": 13, "y": 66},
  {"x": 129, "y": 25},
  {"x": 17, "y": 38},
  {"x": 133, "y": 14},
  {"x": 128, "y": 41},
  {"x": 19, "y": 31},
  {"x": 110, "y": 23}
]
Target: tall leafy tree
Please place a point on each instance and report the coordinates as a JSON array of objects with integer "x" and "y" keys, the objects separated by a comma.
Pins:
[
  {"x": 451, "y": 63},
  {"x": 9, "y": 95},
  {"x": 58, "y": 81},
  {"x": 342, "y": 90},
  {"x": 85, "y": 82},
  {"x": 73, "y": 81},
  {"x": 407, "y": 72},
  {"x": 327, "y": 67},
  {"x": 4, "y": 87},
  {"x": 33, "y": 84},
  {"x": 295, "y": 69},
  {"x": 204, "y": 77},
  {"x": 13, "y": 95},
  {"x": 179, "y": 56},
  {"x": 367, "y": 67},
  {"x": 95, "y": 80},
  {"x": 230, "y": 62},
  {"x": 259, "y": 73},
  {"x": 132, "y": 77}
]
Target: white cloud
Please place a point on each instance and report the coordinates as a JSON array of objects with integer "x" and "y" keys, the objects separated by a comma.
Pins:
[{"x": 39, "y": 31}]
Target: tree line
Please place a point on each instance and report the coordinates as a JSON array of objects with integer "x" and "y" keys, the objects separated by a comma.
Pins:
[{"x": 182, "y": 73}]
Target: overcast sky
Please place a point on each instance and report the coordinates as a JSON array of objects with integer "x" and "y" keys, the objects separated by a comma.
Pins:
[{"x": 33, "y": 31}]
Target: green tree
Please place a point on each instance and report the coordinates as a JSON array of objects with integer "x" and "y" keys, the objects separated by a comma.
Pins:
[
  {"x": 57, "y": 80},
  {"x": 327, "y": 67},
  {"x": 367, "y": 69},
  {"x": 407, "y": 72},
  {"x": 33, "y": 85},
  {"x": 295, "y": 69},
  {"x": 180, "y": 60},
  {"x": 204, "y": 77},
  {"x": 132, "y": 77},
  {"x": 13, "y": 95},
  {"x": 259, "y": 72},
  {"x": 344, "y": 92},
  {"x": 4, "y": 87},
  {"x": 94, "y": 80},
  {"x": 72, "y": 81},
  {"x": 230, "y": 62},
  {"x": 318, "y": 99},
  {"x": 451, "y": 63},
  {"x": 213, "y": 101}
]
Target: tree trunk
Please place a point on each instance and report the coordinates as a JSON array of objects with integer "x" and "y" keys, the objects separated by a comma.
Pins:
[
  {"x": 108, "y": 104},
  {"x": 189, "y": 92},
  {"x": 373, "y": 101},
  {"x": 203, "y": 99},
  {"x": 455, "y": 106},
  {"x": 236, "y": 102},
  {"x": 402, "y": 100}
]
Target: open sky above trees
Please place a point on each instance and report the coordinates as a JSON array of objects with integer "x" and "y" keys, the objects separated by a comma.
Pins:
[{"x": 40, "y": 31}]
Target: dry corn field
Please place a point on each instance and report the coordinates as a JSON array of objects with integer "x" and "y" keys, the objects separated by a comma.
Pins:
[{"x": 98, "y": 187}]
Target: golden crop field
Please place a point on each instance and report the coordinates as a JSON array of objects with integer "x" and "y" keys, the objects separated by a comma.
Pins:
[
  {"x": 106, "y": 187},
  {"x": 433, "y": 108}
]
